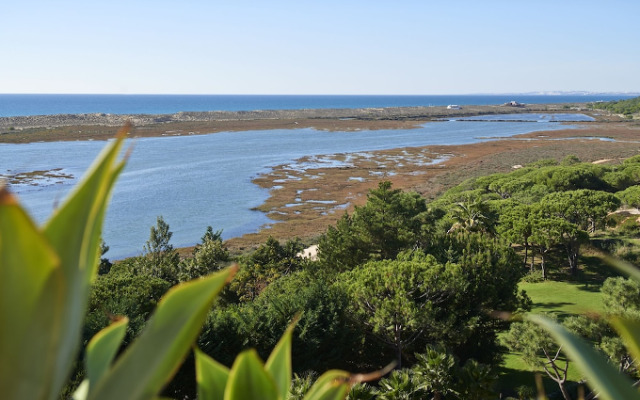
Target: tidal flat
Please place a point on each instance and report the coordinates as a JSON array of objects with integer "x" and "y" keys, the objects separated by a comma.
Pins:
[{"x": 410, "y": 169}]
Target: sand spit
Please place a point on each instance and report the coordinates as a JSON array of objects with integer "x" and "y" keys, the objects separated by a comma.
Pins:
[{"x": 100, "y": 126}]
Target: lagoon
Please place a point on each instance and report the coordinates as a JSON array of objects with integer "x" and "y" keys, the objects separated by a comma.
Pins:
[{"x": 201, "y": 180}]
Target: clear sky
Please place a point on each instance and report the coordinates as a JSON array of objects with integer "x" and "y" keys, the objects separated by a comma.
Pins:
[{"x": 318, "y": 47}]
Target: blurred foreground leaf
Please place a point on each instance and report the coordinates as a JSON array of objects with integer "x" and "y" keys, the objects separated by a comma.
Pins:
[{"x": 601, "y": 375}]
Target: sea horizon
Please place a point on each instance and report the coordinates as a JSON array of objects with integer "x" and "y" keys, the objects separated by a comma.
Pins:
[{"x": 17, "y": 105}]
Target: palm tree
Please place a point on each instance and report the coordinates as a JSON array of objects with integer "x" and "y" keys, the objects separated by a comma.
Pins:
[{"x": 473, "y": 215}]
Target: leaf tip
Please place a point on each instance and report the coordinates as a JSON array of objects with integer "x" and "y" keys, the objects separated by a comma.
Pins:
[
  {"x": 232, "y": 272},
  {"x": 6, "y": 198},
  {"x": 372, "y": 376},
  {"x": 124, "y": 131}
]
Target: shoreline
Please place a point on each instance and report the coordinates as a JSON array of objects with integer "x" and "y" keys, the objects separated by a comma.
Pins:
[{"x": 72, "y": 127}]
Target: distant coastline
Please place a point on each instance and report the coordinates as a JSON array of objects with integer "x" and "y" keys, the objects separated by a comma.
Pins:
[
  {"x": 12, "y": 105},
  {"x": 100, "y": 126}
]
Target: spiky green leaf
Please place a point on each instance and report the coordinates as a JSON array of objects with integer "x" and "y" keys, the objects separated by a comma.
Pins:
[
  {"x": 332, "y": 385},
  {"x": 211, "y": 377},
  {"x": 103, "y": 347},
  {"x": 249, "y": 380},
  {"x": 279, "y": 363},
  {"x": 602, "y": 376},
  {"x": 74, "y": 233},
  {"x": 624, "y": 267},
  {"x": 629, "y": 331},
  {"x": 31, "y": 307},
  {"x": 152, "y": 359}
]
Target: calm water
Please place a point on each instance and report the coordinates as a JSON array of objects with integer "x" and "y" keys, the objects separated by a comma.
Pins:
[
  {"x": 38, "y": 104},
  {"x": 195, "y": 181},
  {"x": 530, "y": 118}
]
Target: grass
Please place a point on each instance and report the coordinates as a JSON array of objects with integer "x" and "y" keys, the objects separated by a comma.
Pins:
[
  {"x": 564, "y": 296},
  {"x": 562, "y": 299}
]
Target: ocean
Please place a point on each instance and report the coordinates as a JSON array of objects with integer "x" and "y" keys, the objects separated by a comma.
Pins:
[{"x": 49, "y": 104}]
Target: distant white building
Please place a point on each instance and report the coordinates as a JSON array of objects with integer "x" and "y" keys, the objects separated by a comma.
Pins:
[{"x": 453, "y": 107}]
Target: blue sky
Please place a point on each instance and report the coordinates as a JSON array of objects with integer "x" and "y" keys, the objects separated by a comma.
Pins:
[{"x": 319, "y": 47}]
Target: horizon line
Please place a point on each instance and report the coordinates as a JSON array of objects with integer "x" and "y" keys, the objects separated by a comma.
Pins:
[{"x": 529, "y": 93}]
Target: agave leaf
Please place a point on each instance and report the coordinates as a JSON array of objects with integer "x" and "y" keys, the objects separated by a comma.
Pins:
[
  {"x": 103, "y": 347},
  {"x": 249, "y": 380},
  {"x": 624, "y": 267},
  {"x": 211, "y": 377},
  {"x": 152, "y": 359},
  {"x": 74, "y": 233},
  {"x": 82, "y": 391},
  {"x": 279, "y": 363},
  {"x": 601, "y": 375},
  {"x": 31, "y": 290},
  {"x": 332, "y": 385},
  {"x": 629, "y": 331}
]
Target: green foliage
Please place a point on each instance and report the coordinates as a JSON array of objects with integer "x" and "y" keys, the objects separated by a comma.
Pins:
[
  {"x": 602, "y": 376},
  {"x": 399, "y": 385},
  {"x": 545, "y": 162},
  {"x": 208, "y": 256},
  {"x": 405, "y": 303},
  {"x": 584, "y": 208},
  {"x": 539, "y": 349},
  {"x": 435, "y": 369},
  {"x": 268, "y": 263},
  {"x": 621, "y": 297},
  {"x": 361, "y": 391},
  {"x": 301, "y": 384},
  {"x": 473, "y": 215},
  {"x": 105, "y": 265},
  {"x": 625, "y": 107},
  {"x": 437, "y": 374},
  {"x": 121, "y": 293},
  {"x": 489, "y": 267},
  {"x": 161, "y": 259},
  {"x": 533, "y": 277},
  {"x": 605, "y": 378},
  {"x": 630, "y": 197},
  {"x": 571, "y": 159},
  {"x": 250, "y": 378},
  {"x": 390, "y": 221},
  {"x": 568, "y": 215},
  {"x": 322, "y": 338}
]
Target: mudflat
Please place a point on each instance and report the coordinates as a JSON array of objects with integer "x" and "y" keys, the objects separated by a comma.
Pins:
[{"x": 322, "y": 195}]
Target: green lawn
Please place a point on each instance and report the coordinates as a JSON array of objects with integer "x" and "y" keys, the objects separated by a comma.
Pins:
[{"x": 562, "y": 299}]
